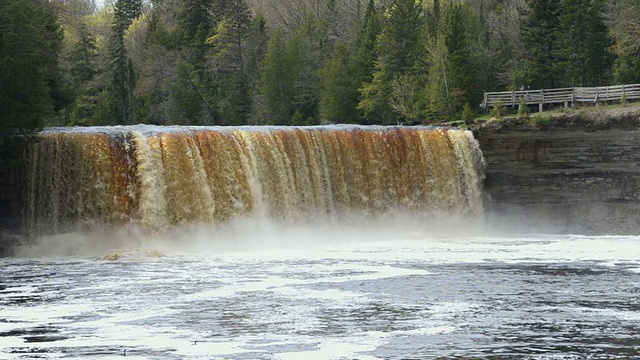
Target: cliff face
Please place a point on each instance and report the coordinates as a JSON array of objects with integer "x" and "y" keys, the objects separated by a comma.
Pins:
[
  {"x": 579, "y": 173},
  {"x": 11, "y": 184}
]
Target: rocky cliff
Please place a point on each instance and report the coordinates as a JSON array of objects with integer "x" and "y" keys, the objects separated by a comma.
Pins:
[{"x": 575, "y": 172}]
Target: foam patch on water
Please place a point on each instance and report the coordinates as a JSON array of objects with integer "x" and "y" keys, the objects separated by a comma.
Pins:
[
  {"x": 340, "y": 349},
  {"x": 615, "y": 313},
  {"x": 286, "y": 285}
]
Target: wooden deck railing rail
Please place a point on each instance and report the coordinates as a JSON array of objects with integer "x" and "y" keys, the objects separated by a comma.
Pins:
[{"x": 568, "y": 96}]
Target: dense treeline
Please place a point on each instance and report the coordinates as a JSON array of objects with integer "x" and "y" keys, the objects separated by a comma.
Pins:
[{"x": 298, "y": 62}]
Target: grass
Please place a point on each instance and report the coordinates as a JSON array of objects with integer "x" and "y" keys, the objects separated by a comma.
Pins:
[{"x": 596, "y": 114}]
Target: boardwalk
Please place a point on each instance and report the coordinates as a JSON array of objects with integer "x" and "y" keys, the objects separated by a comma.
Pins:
[{"x": 566, "y": 96}]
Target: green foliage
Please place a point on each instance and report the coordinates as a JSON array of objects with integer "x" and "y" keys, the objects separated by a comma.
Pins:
[
  {"x": 121, "y": 71},
  {"x": 453, "y": 72},
  {"x": 626, "y": 69},
  {"x": 193, "y": 17},
  {"x": 222, "y": 62},
  {"x": 498, "y": 110},
  {"x": 539, "y": 39},
  {"x": 340, "y": 91},
  {"x": 307, "y": 48},
  {"x": 467, "y": 114},
  {"x": 30, "y": 41},
  {"x": 582, "y": 57},
  {"x": 397, "y": 47},
  {"x": 374, "y": 101},
  {"x": 397, "y": 44},
  {"x": 523, "y": 110},
  {"x": 624, "y": 28},
  {"x": 228, "y": 64},
  {"x": 277, "y": 79},
  {"x": 541, "y": 120}
]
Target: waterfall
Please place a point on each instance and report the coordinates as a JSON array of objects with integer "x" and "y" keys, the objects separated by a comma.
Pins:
[{"x": 83, "y": 179}]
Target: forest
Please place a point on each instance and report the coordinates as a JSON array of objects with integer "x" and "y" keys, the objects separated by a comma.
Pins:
[{"x": 297, "y": 62}]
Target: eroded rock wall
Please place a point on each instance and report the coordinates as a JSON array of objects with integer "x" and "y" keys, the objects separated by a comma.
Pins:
[{"x": 578, "y": 174}]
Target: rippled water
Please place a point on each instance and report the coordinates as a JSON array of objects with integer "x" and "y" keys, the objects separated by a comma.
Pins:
[{"x": 536, "y": 297}]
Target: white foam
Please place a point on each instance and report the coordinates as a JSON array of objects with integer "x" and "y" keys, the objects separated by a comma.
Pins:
[{"x": 625, "y": 315}]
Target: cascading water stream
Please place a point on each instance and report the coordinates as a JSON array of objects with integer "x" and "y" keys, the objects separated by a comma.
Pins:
[{"x": 84, "y": 179}]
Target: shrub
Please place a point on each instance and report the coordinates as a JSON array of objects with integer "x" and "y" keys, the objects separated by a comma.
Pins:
[
  {"x": 541, "y": 120},
  {"x": 467, "y": 114},
  {"x": 498, "y": 110},
  {"x": 523, "y": 110}
]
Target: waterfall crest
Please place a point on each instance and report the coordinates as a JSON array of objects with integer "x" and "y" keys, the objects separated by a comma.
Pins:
[{"x": 83, "y": 179}]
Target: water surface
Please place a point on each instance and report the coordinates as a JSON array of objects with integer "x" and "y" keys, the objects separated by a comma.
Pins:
[{"x": 414, "y": 297}]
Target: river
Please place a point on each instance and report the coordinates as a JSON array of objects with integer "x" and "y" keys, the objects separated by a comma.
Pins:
[{"x": 329, "y": 295}]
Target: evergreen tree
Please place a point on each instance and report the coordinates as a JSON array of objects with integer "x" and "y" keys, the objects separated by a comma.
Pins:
[
  {"x": 366, "y": 53},
  {"x": 340, "y": 88},
  {"x": 82, "y": 73},
  {"x": 194, "y": 16},
  {"x": 120, "y": 96},
  {"x": 307, "y": 53},
  {"x": 82, "y": 58},
  {"x": 30, "y": 41},
  {"x": 398, "y": 50},
  {"x": 335, "y": 32},
  {"x": 257, "y": 45},
  {"x": 229, "y": 57},
  {"x": 539, "y": 37},
  {"x": 194, "y": 25},
  {"x": 344, "y": 73},
  {"x": 277, "y": 82},
  {"x": 582, "y": 49},
  {"x": 462, "y": 70}
]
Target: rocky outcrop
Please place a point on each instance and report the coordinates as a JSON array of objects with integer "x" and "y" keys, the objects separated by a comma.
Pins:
[{"x": 576, "y": 172}]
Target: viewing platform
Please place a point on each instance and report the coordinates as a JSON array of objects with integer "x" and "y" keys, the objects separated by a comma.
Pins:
[{"x": 566, "y": 96}]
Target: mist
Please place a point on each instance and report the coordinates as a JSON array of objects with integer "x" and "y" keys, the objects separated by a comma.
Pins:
[{"x": 261, "y": 234}]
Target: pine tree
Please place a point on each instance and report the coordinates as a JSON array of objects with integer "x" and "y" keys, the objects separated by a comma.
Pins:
[
  {"x": 120, "y": 66},
  {"x": 257, "y": 45},
  {"x": 194, "y": 16},
  {"x": 582, "y": 52},
  {"x": 82, "y": 58},
  {"x": 229, "y": 57},
  {"x": 334, "y": 29},
  {"x": 340, "y": 87},
  {"x": 277, "y": 82},
  {"x": 344, "y": 73},
  {"x": 539, "y": 37},
  {"x": 83, "y": 70},
  {"x": 307, "y": 53},
  {"x": 462, "y": 70},
  {"x": 30, "y": 41},
  {"x": 366, "y": 53},
  {"x": 398, "y": 50}
]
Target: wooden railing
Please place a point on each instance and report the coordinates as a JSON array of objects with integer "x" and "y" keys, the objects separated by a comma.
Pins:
[{"x": 568, "y": 96}]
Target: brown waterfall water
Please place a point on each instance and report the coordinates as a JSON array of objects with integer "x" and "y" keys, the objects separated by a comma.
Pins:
[{"x": 86, "y": 179}]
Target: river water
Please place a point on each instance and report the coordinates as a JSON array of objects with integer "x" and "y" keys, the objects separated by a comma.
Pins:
[{"x": 408, "y": 296}]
